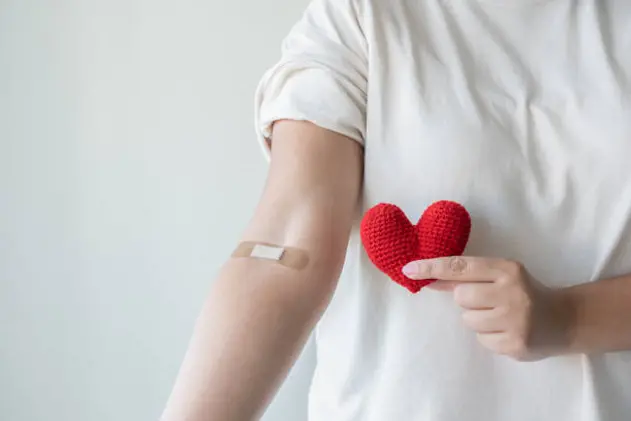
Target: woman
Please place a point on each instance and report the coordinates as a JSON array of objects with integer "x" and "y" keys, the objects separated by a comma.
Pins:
[{"x": 518, "y": 109}]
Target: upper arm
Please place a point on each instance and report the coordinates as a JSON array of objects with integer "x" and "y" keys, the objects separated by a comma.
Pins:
[
  {"x": 314, "y": 100},
  {"x": 312, "y": 189}
]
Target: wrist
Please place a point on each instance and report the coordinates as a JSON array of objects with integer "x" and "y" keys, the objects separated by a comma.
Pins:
[
  {"x": 570, "y": 301},
  {"x": 565, "y": 321}
]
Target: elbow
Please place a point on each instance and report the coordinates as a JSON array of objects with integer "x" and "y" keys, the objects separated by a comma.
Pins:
[
  {"x": 319, "y": 240},
  {"x": 317, "y": 231}
]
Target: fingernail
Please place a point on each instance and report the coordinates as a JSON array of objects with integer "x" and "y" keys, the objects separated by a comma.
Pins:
[{"x": 410, "y": 269}]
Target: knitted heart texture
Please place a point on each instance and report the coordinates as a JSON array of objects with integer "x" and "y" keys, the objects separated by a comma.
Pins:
[{"x": 392, "y": 241}]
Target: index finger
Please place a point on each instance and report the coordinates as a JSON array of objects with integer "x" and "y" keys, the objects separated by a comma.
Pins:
[{"x": 456, "y": 268}]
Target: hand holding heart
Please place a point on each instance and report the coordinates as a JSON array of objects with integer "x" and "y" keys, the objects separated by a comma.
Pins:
[
  {"x": 391, "y": 240},
  {"x": 512, "y": 313}
]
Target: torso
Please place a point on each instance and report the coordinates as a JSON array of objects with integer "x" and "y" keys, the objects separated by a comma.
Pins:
[{"x": 521, "y": 111}]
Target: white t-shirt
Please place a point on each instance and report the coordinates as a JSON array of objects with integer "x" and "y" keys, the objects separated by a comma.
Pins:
[{"x": 521, "y": 111}]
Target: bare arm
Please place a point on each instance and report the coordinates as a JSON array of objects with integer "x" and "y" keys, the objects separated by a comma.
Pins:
[
  {"x": 514, "y": 314},
  {"x": 602, "y": 315},
  {"x": 259, "y": 314}
]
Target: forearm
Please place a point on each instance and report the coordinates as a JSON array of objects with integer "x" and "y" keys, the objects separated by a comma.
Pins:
[
  {"x": 601, "y": 314},
  {"x": 251, "y": 329}
]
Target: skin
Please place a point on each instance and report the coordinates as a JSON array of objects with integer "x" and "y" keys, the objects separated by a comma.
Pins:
[
  {"x": 259, "y": 314},
  {"x": 515, "y": 315}
]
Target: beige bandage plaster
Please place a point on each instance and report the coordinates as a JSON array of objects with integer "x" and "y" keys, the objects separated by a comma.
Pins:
[{"x": 290, "y": 257}]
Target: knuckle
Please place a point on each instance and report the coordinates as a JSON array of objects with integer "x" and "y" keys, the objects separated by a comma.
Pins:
[
  {"x": 457, "y": 264},
  {"x": 513, "y": 269},
  {"x": 523, "y": 300},
  {"x": 503, "y": 311},
  {"x": 503, "y": 282},
  {"x": 429, "y": 270}
]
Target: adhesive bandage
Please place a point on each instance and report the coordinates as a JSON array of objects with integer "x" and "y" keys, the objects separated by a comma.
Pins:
[{"x": 290, "y": 257}]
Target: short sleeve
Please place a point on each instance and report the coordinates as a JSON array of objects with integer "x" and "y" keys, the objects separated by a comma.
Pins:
[{"x": 321, "y": 76}]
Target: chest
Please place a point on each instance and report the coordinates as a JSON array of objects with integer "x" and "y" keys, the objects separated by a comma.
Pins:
[{"x": 475, "y": 101}]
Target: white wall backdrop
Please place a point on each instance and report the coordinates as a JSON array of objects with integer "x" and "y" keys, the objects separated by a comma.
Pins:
[{"x": 128, "y": 168}]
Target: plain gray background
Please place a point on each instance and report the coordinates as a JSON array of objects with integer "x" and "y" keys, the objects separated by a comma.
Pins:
[{"x": 128, "y": 168}]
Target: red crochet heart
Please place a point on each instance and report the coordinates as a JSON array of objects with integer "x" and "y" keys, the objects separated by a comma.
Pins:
[{"x": 391, "y": 241}]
